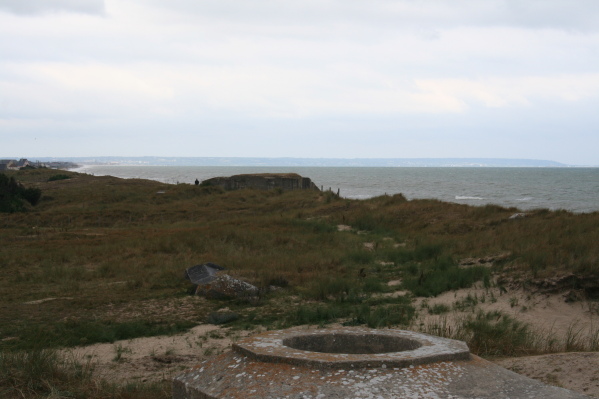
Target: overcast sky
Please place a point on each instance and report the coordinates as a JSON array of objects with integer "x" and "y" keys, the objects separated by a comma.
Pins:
[{"x": 309, "y": 78}]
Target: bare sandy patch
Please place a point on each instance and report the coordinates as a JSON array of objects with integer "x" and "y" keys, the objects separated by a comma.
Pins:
[
  {"x": 370, "y": 246},
  {"x": 549, "y": 315},
  {"x": 546, "y": 313},
  {"x": 155, "y": 358},
  {"x": 578, "y": 371},
  {"x": 343, "y": 227}
]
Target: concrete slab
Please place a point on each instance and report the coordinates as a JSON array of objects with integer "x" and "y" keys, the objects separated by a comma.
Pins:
[{"x": 259, "y": 367}]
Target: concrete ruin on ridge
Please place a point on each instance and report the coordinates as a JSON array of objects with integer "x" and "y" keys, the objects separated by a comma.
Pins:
[{"x": 263, "y": 181}]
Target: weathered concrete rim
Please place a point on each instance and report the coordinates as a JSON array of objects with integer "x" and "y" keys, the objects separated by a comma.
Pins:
[{"x": 270, "y": 347}]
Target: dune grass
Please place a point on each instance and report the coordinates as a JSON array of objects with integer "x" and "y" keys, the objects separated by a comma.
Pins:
[
  {"x": 42, "y": 373},
  {"x": 99, "y": 257},
  {"x": 496, "y": 334}
]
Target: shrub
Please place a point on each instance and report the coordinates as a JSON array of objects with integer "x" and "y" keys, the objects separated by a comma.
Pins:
[
  {"x": 444, "y": 275},
  {"x": 494, "y": 334},
  {"x": 12, "y": 195},
  {"x": 59, "y": 177},
  {"x": 32, "y": 195}
]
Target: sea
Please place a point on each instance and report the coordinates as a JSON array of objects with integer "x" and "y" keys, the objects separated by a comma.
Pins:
[{"x": 571, "y": 189}]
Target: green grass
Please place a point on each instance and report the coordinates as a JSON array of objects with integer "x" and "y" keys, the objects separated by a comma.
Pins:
[
  {"x": 437, "y": 278},
  {"x": 351, "y": 315},
  {"x": 491, "y": 334},
  {"x": 86, "y": 332},
  {"x": 496, "y": 334},
  {"x": 60, "y": 176}
]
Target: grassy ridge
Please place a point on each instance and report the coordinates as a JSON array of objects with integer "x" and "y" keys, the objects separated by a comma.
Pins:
[{"x": 106, "y": 256}]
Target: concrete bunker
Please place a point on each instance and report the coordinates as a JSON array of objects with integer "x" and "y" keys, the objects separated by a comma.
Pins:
[{"x": 355, "y": 363}]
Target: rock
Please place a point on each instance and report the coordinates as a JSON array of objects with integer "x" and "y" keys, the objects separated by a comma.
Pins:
[
  {"x": 203, "y": 274},
  {"x": 225, "y": 286},
  {"x": 370, "y": 246}
]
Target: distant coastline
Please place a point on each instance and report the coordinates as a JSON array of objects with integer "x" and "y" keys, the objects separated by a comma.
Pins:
[
  {"x": 573, "y": 189},
  {"x": 309, "y": 162}
]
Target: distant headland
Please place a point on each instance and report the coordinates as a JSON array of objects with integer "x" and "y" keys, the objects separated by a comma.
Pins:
[
  {"x": 24, "y": 163},
  {"x": 306, "y": 162}
]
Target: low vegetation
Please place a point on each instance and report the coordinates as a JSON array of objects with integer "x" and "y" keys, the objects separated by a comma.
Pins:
[
  {"x": 14, "y": 197},
  {"x": 60, "y": 176},
  {"x": 100, "y": 259}
]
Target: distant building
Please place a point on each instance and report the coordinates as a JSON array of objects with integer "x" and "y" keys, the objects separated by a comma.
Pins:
[
  {"x": 21, "y": 163},
  {"x": 6, "y": 164},
  {"x": 12, "y": 164}
]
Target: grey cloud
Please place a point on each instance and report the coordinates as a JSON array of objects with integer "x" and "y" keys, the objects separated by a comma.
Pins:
[
  {"x": 36, "y": 7},
  {"x": 432, "y": 14},
  {"x": 579, "y": 15}
]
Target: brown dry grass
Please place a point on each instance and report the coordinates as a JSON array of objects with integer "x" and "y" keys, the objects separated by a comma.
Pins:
[{"x": 112, "y": 253}]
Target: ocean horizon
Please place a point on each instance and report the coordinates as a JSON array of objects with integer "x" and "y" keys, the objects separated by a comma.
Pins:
[{"x": 571, "y": 189}]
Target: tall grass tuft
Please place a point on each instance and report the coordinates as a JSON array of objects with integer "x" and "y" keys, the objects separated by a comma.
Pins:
[
  {"x": 443, "y": 275},
  {"x": 490, "y": 334},
  {"x": 41, "y": 372},
  {"x": 496, "y": 334}
]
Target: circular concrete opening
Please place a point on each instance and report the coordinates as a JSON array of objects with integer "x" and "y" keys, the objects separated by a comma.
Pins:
[
  {"x": 351, "y": 343},
  {"x": 350, "y": 347}
]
